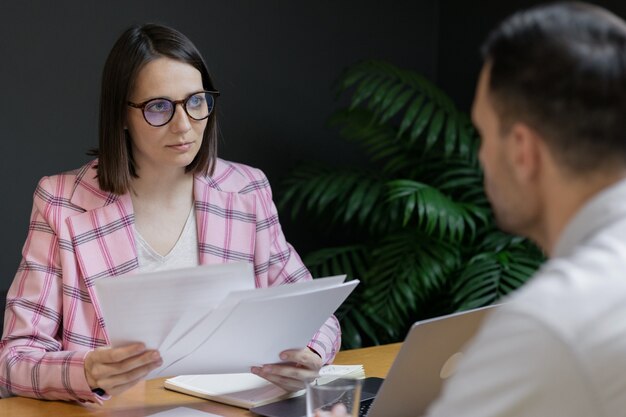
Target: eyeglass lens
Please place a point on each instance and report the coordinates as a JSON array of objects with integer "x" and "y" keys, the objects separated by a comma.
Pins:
[{"x": 160, "y": 111}]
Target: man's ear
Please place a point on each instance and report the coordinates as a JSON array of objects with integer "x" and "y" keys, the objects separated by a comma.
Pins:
[{"x": 524, "y": 151}]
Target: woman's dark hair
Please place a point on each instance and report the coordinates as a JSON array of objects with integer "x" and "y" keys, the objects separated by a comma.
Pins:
[
  {"x": 137, "y": 46},
  {"x": 561, "y": 68}
]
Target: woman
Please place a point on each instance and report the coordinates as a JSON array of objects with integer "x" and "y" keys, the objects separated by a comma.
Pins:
[{"x": 156, "y": 198}]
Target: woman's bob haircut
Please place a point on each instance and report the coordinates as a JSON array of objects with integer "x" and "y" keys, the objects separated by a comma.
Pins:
[{"x": 137, "y": 46}]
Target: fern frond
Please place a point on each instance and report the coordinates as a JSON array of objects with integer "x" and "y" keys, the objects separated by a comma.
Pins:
[
  {"x": 351, "y": 260},
  {"x": 345, "y": 196},
  {"x": 406, "y": 266},
  {"x": 489, "y": 276},
  {"x": 435, "y": 212},
  {"x": 423, "y": 109}
]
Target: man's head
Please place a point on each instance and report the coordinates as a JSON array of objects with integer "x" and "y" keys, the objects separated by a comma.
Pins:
[{"x": 553, "y": 87}]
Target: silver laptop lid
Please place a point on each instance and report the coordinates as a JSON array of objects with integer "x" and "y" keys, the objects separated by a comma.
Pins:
[{"x": 427, "y": 357}]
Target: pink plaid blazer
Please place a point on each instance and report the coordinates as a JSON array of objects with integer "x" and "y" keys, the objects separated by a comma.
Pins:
[{"x": 79, "y": 233}]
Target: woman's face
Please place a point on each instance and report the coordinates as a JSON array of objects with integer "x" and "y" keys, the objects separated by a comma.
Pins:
[{"x": 175, "y": 144}]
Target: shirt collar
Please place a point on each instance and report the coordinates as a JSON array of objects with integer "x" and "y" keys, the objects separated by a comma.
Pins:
[{"x": 600, "y": 211}]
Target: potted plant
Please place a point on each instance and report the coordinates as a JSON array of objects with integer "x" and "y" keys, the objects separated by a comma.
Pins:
[{"x": 418, "y": 228}]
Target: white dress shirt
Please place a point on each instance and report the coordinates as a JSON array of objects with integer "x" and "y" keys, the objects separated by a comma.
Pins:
[{"x": 558, "y": 346}]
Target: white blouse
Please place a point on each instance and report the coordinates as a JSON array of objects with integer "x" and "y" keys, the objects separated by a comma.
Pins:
[{"x": 184, "y": 254}]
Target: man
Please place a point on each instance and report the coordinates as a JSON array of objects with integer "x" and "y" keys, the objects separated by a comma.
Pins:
[{"x": 551, "y": 110}]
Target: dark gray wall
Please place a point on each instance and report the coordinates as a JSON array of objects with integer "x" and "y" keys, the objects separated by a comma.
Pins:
[
  {"x": 274, "y": 62},
  {"x": 462, "y": 28}
]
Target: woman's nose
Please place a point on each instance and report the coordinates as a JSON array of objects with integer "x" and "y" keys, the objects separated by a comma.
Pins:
[{"x": 180, "y": 122}]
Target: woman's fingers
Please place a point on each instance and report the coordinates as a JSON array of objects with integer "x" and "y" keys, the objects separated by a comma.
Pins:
[
  {"x": 116, "y": 369},
  {"x": 119, "y": 383},
  {"x": 301, "y": 366}
]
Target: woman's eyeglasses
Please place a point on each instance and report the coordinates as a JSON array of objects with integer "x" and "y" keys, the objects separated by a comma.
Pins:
[{"x": 159, "y": 111}]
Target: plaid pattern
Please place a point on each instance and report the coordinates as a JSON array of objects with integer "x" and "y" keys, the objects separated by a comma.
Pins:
[{"x": 79, "y": 233}]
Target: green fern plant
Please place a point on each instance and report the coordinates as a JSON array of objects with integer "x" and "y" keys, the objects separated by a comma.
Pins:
[{"x": 417, "y": 222}]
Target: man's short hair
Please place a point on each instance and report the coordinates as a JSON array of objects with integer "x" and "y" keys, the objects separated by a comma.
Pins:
[{"x": 561, "y": 69}]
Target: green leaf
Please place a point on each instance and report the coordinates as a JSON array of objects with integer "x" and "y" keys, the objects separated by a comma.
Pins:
[
  {"x": 389, "y": 98},
  {"x": 380, "y": 93},
  {"x": 333, "y": 190},
  {"x": 411, "y": 203},
  {"x": 465, "y": 140},
  {"x": 432, "y": 208},
  {"x": 397, "y": 104},
  {"x": 317, "y": 190},
  {"x": 365, "y": 89},
  {"x": 490, "y": 275},
  {"x": 354, "y": 202},
  {"x": 369, "y": 201},
  {"x": 411, "y": 113},
  {"x": 332, "y": 261},
  {"x": 450, "y": 135},
  {"x": 435, "y": 129},
  {"x": 422, "y": 121}
]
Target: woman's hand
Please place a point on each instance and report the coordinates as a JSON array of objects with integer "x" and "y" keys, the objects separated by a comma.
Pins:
[
  {"x": 302, "y": 365},
  {"x": 115, "y": 370}
]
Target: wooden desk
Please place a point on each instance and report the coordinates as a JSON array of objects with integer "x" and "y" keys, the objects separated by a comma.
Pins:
[{"x": 150, "y": 397}]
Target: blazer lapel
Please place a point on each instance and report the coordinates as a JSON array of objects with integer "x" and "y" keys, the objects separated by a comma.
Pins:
[
  {"x": 102, "y": 237},
  {"x": 103, "y": 240},
  {"x": 226, "y": 224}
]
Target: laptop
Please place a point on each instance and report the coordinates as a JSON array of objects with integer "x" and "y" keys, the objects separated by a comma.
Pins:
[{"x": 426, "y": 359}]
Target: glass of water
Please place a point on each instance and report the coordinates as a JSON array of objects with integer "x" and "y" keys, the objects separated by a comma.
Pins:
[{"x": 346, "y": 391}]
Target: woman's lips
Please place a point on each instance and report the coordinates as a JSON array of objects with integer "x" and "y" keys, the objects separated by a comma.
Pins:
[{"x": 181, "y": 147}]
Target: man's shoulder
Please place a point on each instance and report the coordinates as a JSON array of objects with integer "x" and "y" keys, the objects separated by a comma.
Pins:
[
  {"x": 573, "y": 313},
  {"x": 567, "y": 295}
]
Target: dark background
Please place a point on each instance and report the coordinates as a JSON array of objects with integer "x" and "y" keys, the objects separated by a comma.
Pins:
[{"x": 274, "y": 62}]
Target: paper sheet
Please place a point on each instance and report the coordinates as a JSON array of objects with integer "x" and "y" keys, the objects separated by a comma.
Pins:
[
  {"x": 147, "y": 307},
  {"x": 254, "y": 331},
  {"x": 184, "y": 412},
  {"x": 211, "y": 319}
]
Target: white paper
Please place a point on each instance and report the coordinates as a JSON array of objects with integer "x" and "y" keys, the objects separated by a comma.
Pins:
[
  {"x": 148, "y": 307},
  {"x": 204, "y": 325},
  {"x": 184, "y": 412},
  {"x": 211, "y": 319},
  {"x": 241, "y": 390},
  {"x": 254, "y": 330},
  {"x": 329, "y": 373},
  {"x": 223, "y": 384}
]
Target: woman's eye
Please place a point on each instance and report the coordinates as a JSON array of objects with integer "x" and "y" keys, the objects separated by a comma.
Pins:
[
  {"x": 196, "y": 101},
  {"x": 159, "y": 106}
]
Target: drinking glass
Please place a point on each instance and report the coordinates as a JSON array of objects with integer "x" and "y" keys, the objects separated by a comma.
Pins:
[{"x": 346, "y": 391}]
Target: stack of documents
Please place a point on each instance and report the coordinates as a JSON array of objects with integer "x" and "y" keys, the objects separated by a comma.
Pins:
[
  {"x": 211, "y": 319},
  {"x": 248, "y": 390}
]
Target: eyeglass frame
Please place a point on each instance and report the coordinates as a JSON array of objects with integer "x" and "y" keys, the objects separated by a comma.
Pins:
[{"x": 183, "y": 102}]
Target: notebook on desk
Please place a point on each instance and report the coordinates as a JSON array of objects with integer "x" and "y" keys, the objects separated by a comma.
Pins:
[
  {"x": 247, "y": 390},
  {"x": 427, "y": 357}
]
